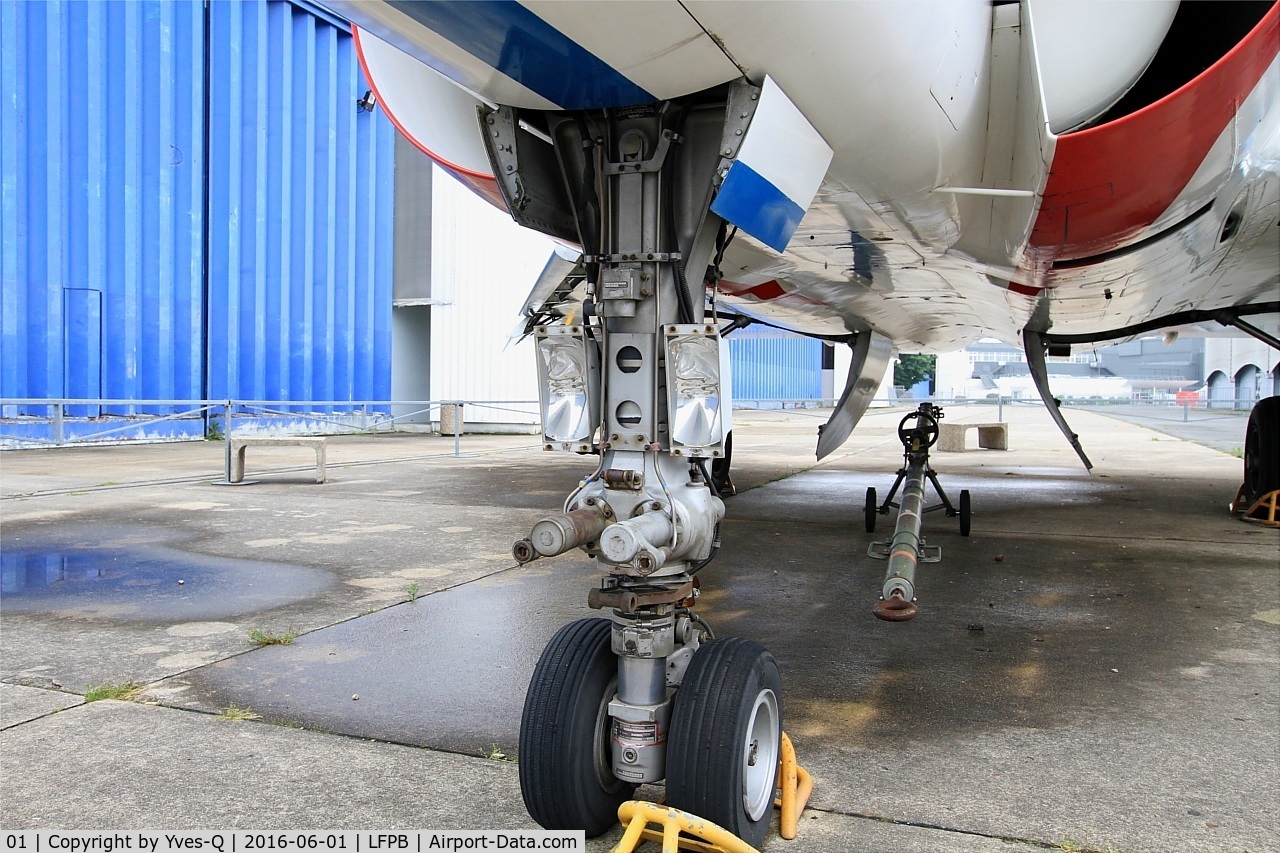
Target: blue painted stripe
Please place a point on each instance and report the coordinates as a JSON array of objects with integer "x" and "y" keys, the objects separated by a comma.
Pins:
[
  {"x": 756, "y": 206},
  {"x": 507, "y": 36}
]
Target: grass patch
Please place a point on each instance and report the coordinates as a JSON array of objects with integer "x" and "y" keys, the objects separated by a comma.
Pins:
[
  {"x": 411, "y": 591},
  {"x": 268, "y": 638},
  {"x": 493, "y": 753},
  {"x": 1237, "y": 452},
  {"x": 126, "y": 692},
  {"x": 237, "y": 714}
]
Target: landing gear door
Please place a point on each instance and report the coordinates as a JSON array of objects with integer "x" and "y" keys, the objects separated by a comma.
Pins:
[{"x": 776, "y": 173}]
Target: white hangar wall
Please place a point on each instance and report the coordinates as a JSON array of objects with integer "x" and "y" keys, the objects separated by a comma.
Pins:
[{"x": 483, "y": 266}]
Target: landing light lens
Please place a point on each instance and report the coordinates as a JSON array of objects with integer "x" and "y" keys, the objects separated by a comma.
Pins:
[
  {"x": 564, "y": 368},
  {"x": 694, "y": 373}
]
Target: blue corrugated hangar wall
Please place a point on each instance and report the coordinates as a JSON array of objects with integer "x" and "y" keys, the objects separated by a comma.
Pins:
[
  {"x": 770, "y": 366},
  {"x": 192, "y": 206}
]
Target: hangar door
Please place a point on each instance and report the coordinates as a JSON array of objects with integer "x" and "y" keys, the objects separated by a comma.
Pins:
[{"x": 195, "y": 206}]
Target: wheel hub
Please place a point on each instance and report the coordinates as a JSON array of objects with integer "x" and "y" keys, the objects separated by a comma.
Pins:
[{"x": 760, "y": 755}]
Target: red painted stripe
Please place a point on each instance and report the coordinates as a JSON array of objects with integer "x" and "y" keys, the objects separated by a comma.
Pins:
[
  {"x": 767, "y": 291},
  {"x": 481, "y": 184},
  {"x": 1025, "y": 289},
  {"x": 1109, "y": 183}
]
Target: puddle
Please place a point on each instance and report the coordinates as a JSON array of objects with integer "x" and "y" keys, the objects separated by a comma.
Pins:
[{"x": 145, "y": 582}]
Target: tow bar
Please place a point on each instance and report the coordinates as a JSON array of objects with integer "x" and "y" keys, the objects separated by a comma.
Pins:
[{"x": 918, "y": 431}]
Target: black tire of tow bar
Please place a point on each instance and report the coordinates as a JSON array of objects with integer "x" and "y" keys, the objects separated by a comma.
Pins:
[
  {"x": 565, "y": 775},
  {"x": 870, "y": 510},
  {"x": 1262, "y": 449},
  {"x": 709, "y": 729},
  {"x": 965, "y": 512}
]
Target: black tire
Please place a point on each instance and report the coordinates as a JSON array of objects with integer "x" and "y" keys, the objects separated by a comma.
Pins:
[
  {"x": 870, "y": 510},
  {"x": 965, "y": 512},
  {"x": 1262, "y": 449},
  {"x": 566, "y": 774},
  {"x": 730, "y": 699}
]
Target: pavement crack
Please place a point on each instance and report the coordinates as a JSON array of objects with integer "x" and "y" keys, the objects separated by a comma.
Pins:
[{"x": 994, "y": 836}]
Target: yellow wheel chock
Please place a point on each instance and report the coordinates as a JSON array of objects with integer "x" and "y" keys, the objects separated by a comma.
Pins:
[
  {"x": 683, "y": 831},
  {"x": 636, "y": 815},
  {"x": 796, "y": 785},
  {"x": 1265, "y": 510}
]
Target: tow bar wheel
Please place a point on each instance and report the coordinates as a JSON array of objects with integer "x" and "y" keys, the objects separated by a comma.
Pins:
[
  {"x": 566, "y": 774},
  {"x": 724, "y": 744}
]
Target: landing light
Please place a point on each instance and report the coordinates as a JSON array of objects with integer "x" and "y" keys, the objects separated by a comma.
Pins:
[
  {"x": 697, "y": 405},
  {"x": 568, "y": 376}
]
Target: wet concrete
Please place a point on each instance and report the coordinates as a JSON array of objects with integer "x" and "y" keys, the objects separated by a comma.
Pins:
[
  {"x": 120, "y": 574},
  {"x": 1096, "y": 663}
]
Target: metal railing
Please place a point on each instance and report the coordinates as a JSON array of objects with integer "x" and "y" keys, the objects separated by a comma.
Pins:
[
  {"x": 30, "y": 422},
  {"x": 60, "y": 423}
]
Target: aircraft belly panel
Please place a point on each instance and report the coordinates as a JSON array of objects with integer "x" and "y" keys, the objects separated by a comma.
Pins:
[{"x": 929, "y": 225}]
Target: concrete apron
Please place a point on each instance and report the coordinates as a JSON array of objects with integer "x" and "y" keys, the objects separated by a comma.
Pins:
[{"x": 1095, "y": 664}]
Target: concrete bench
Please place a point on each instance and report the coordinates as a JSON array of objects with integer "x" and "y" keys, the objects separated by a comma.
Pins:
[
  {"x": 990, "y": 436},
  {"x": 238, "y": 446}
]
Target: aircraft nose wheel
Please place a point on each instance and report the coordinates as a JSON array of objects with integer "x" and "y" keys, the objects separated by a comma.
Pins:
[
  {"x": 725, "y": 738},
  {"x": 566, "y": 774}
]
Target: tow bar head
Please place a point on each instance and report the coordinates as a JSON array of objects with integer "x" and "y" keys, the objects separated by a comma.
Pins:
[{"x": 895, "y": 609}]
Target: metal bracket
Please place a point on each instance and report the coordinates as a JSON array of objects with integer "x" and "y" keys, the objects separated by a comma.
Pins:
[
  {"x": 743, "y": 100},
  {"x": 629, "y": 601},
  {"x": 928, "y": 553},
  {"x": 652, "y": 164}
]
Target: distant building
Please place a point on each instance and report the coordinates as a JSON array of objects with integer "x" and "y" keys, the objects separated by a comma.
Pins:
[
  {"x": 1155, "y": 368},
  {"x": 990, "y": 369},
  {"x": 1239, "y": 372}
]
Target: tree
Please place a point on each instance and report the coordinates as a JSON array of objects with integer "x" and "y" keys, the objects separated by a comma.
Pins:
[{"x": 911, "y": 369}]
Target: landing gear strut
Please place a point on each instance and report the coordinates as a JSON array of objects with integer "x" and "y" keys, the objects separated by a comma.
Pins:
[{"x": 633, "y": 699}]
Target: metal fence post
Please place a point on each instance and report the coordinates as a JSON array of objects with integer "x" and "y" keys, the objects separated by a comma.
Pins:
[
  {"x": 226, "y": 433},
  {"x": 59, "y": 435},
  {"x": 457, "y": 429},
  {"x": 1000, "y": 410}
]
